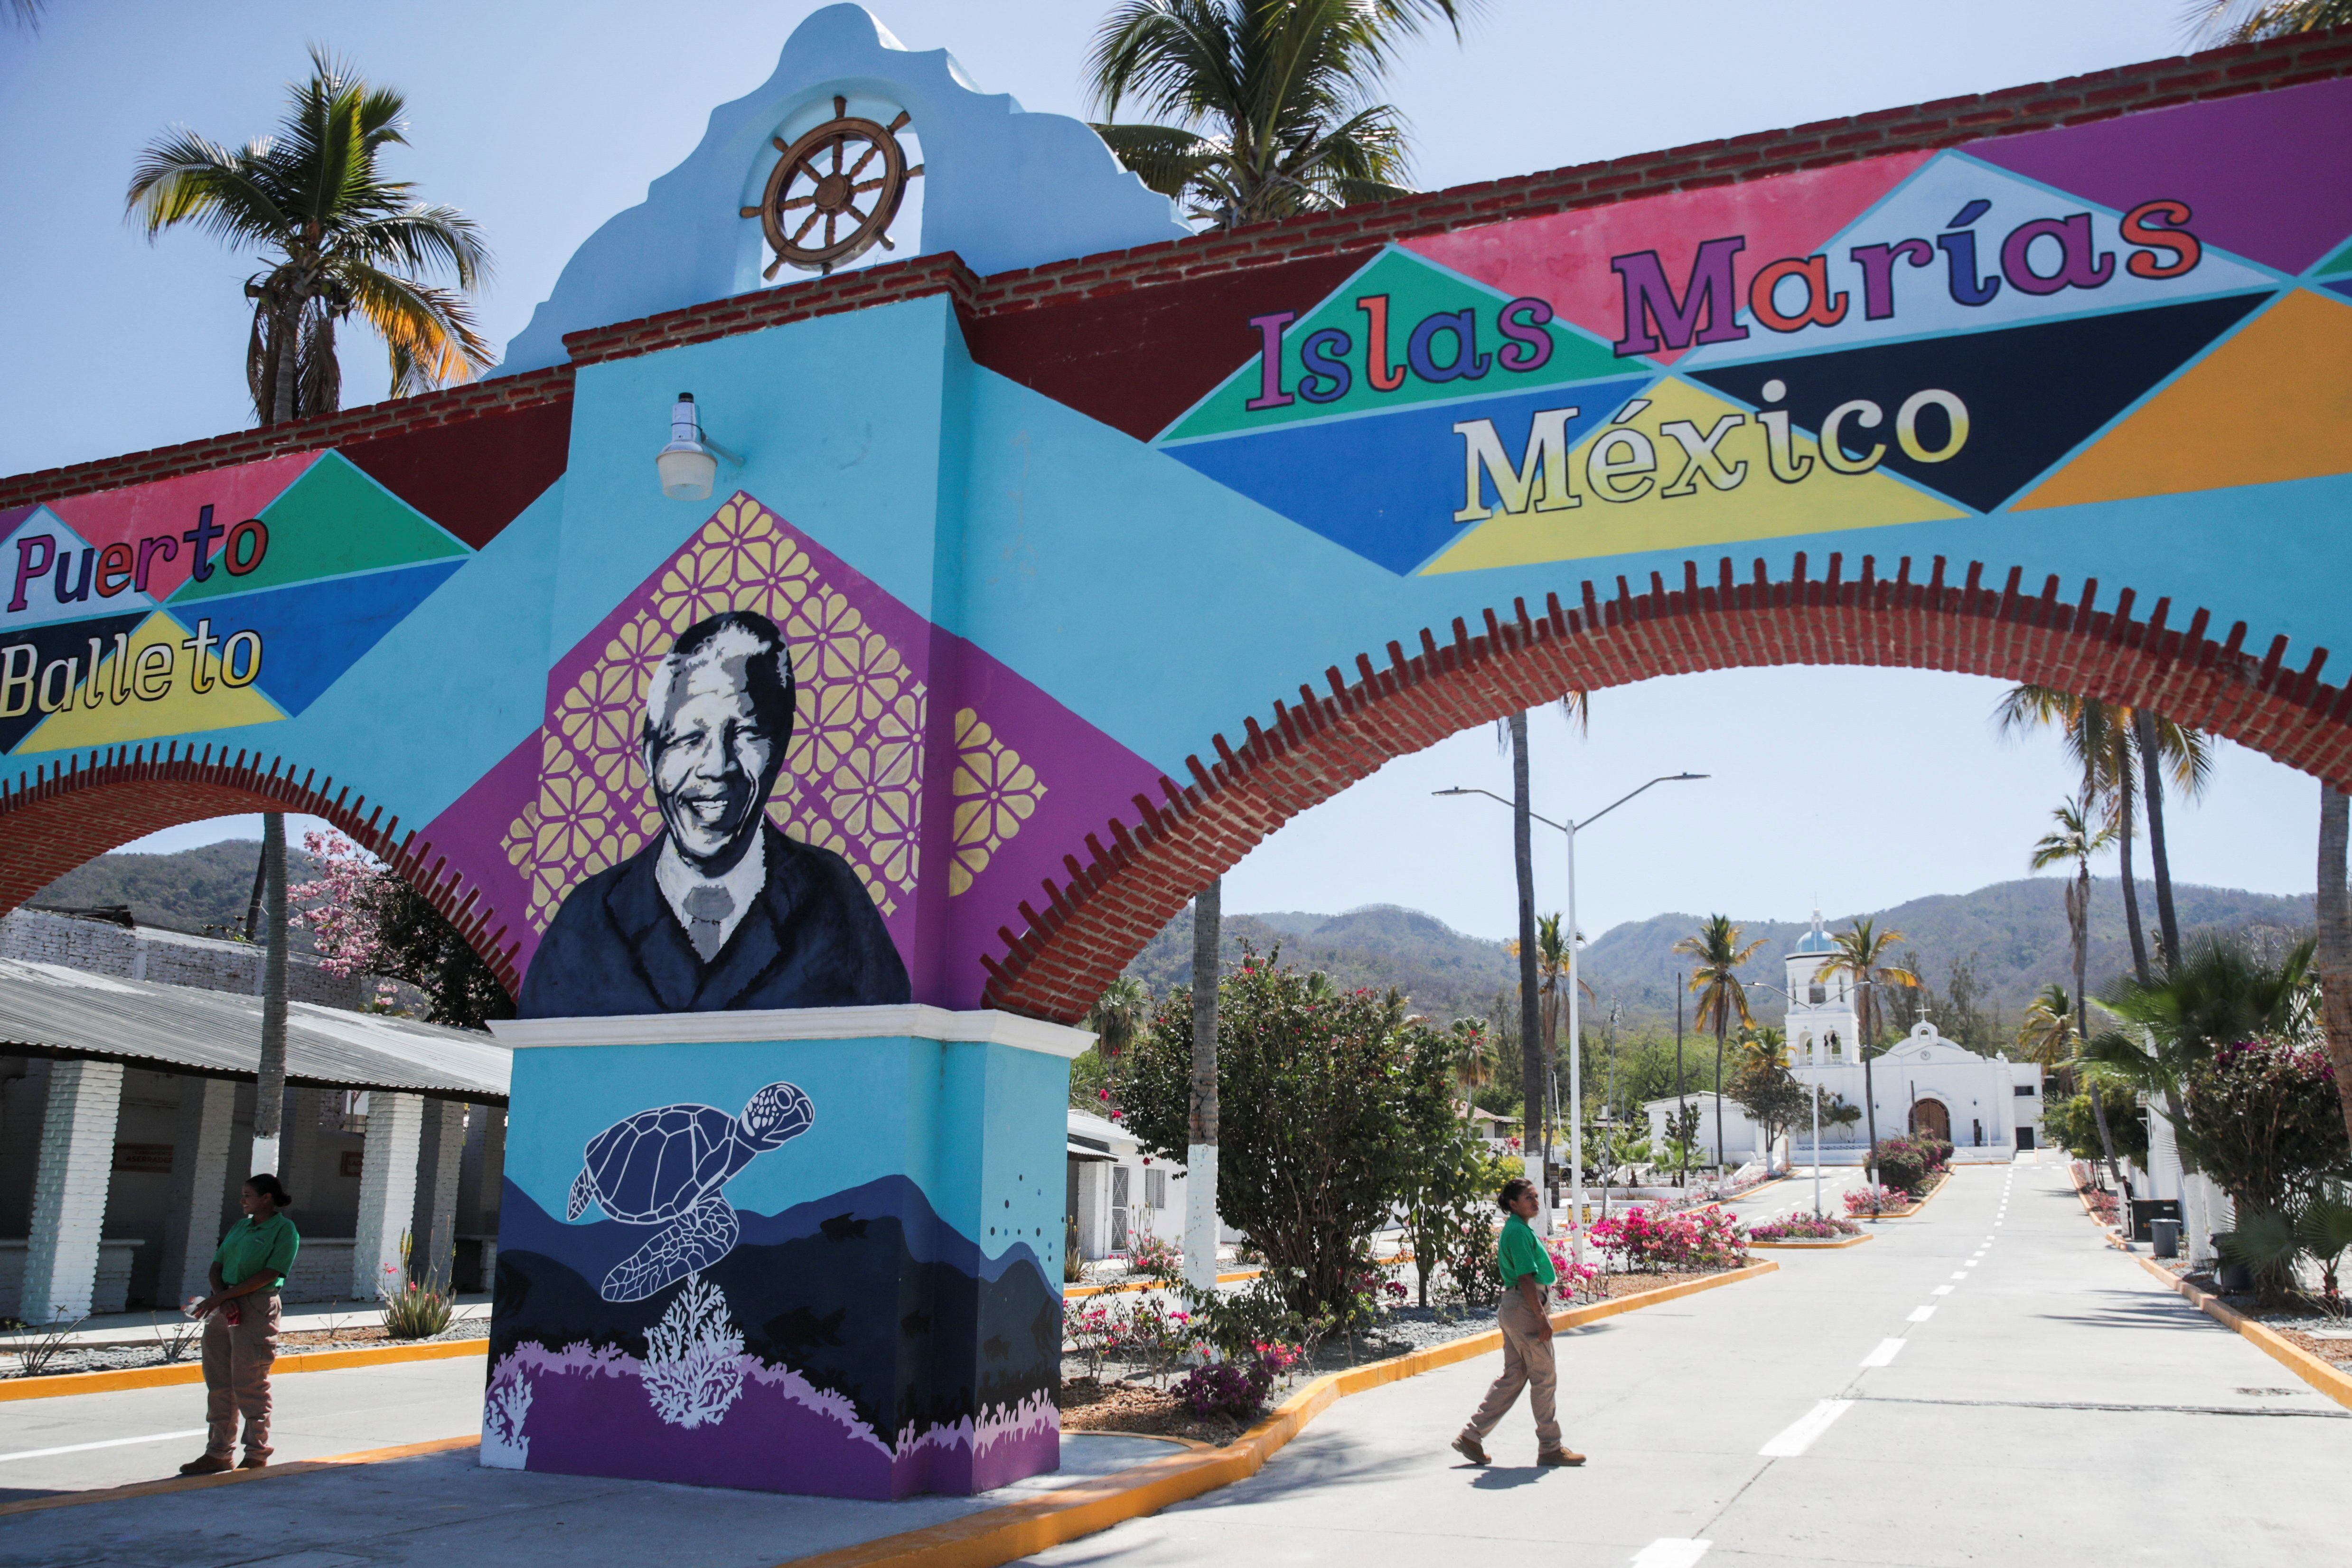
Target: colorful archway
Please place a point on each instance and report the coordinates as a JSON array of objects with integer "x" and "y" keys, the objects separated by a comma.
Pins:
[{"x": 858, "y": 776}]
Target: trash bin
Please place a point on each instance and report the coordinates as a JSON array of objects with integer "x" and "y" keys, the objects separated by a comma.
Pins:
[{"x": 2165, "y": 1233}]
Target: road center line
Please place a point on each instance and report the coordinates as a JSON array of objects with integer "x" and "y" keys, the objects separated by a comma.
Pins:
[
  {"x": 1941, "y": 1290},
  {"x": 1885, "y": 1353},
  {"x": 109, "y": 1443},
  {"x": 1921, "y": 1314},
  {"x": 1799, "y": 1434},
  {"x": 1671, "y": 1553}
]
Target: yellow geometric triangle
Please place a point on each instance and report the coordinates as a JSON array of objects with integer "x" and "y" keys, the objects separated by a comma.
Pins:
[
  {"x": 138, "y": 693},
  {"x": 1674, "y": 501}
]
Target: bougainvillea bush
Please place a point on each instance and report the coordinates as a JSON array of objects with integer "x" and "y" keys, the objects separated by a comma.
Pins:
[
  {"x": 1232, "y": 1388},
  {"x": 1870, "y": 1203},
  {"x": 1804, "y": 1227},
  {"x": 1652, "y": 1238}
]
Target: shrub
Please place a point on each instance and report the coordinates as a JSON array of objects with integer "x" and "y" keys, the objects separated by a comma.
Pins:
[
  {"x": 1237, "y": 1389},
  {"x": 1901, "y": 1165},
  {"x": 417, "y": 1312},
  {"x": 1155, "y": 1258},
  {"x": 1804, "y": 1227},
  {"x": 1653, "y": 1237},
  {"x": 1870, "y": 1203}
]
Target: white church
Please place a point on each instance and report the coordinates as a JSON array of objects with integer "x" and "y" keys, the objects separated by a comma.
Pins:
[{"x": 1988, "y": 1107}]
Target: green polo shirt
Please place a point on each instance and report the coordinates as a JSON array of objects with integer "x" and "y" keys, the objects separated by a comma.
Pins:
[
  {"x": 250, "y": 1249},
  {"x": 1521, "y": 1251}
]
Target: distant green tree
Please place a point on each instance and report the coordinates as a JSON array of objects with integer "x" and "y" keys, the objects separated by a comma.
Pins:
[
  {"x": 1314, "y": 1087},
  {"x": 1718, "y": 956}
]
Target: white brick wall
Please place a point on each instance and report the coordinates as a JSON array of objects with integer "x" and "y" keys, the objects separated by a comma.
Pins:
[
  {"x": 167, "y": 958},
  {"x": 387, "y": 1189},
  {"x": 77, "y": 1163}
]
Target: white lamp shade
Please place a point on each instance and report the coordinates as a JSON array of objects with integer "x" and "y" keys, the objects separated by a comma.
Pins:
[{"x": 686, "y": 473}]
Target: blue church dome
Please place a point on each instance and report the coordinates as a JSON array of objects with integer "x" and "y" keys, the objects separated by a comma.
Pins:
[{"x": 1815, "y": 940}]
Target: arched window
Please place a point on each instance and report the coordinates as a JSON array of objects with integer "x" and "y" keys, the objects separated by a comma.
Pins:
[
  {"x": 1805, "y": 1049},
  {"x": 1832, "y": 1045}
]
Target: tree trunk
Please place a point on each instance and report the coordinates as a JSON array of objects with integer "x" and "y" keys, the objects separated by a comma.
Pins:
[
  {"x": 2335, "y": 953},
  {"x": 1201, "y": 1157},
  {"x": 1722, "y": 1024},
  {"x": 2131, "y": 887},
  {"x": 1531, "y": 1095},
  {"x": 2078, "y": 918},
  {"x": 1682, "y": 1177},
  {"x": 285, "y": 364},
  {"x": 2152, "y": 774},
  {"x": 269, "y": 1088}
]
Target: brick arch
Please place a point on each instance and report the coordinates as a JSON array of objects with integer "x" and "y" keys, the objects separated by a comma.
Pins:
[
  {"x": 1118, "y": 896},
  {"x": 87, "y": 804}
]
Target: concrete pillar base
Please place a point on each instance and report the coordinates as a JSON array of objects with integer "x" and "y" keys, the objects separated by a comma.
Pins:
[{"x": 76, "y": 1163}]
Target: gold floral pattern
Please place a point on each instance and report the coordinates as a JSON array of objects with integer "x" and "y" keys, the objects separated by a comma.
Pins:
[
  {"x": 995, "y": 791},
  {"x": 853, "y": 778}
]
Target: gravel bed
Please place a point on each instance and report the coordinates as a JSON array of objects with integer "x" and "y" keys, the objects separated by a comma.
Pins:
[{"x": 125, "y": 1358}]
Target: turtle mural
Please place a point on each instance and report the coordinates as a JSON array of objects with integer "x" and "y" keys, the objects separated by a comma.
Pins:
[{"x": 669, "y": 1166}]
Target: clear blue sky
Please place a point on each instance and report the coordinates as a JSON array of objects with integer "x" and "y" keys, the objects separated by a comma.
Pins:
[{"x": 543, "y": 120}]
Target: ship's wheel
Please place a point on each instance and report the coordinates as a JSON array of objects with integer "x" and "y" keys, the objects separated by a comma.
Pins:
[{"x": 833, "y": 195}]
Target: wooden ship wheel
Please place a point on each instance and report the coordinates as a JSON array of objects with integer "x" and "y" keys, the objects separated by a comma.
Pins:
[{"x": 846, "y": 177}]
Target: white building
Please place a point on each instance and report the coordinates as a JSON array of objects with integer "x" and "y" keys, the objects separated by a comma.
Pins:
[
  {"x": 1988, "y": 1107},
  {"x": 1118, "y": 1192}
]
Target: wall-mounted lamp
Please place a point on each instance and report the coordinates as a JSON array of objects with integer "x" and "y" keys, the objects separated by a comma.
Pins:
[{"x": 689, "y": 463}]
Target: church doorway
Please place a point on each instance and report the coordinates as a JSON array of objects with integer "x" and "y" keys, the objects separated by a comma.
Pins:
[{"x": 1932, "y": 1117}]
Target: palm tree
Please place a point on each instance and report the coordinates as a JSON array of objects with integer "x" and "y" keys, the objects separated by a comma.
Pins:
[
  {"x": 2335, "y": 941},
  {"x": 2076, "y": 840},
  {"x": 1859, "y": 952},
  {"x": 336, "y": 236},
  {"x": 2123, "y": 753},
  {"x": 1201, "y": 1152},
  {"x": 1717, "y": 958},
  {"x": 1116, "y": 1017},
  {"x": 2048, "y": 1035},
  {"x": 2249, "y": 21},
  {"x": 1269, "y": 107}
]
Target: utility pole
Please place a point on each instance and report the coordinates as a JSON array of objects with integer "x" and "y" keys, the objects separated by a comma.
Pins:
[{"x": 1682, "y": 1094}]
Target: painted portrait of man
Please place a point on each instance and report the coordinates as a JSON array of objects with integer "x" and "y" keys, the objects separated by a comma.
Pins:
[{"x": 719, "y": 911}]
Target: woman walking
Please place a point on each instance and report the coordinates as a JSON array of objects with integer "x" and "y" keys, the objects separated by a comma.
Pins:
[
  {"x": 1527, "y": 1271},
  {"x": 241, "y": 1326}
]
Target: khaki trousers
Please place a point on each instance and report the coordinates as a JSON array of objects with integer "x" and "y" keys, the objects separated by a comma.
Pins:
[
  {"x": 1526, "y": 1363},
  {"x": 237, "y": 1374}
]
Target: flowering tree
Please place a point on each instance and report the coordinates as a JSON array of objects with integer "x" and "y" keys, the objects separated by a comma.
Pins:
[{"x": 366, "y": 920}]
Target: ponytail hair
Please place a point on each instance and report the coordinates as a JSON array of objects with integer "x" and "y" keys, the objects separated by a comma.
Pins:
[{"x": 270, "y": 1187}]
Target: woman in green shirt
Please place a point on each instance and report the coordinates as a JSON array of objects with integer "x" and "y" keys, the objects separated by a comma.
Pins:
[
  {"x": 241, "y": 1326},
  {"x": 1522, "y": 1315}
]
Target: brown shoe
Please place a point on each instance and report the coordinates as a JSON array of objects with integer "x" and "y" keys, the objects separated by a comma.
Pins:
[
  {"x": 1469, "y": 1450},
  {"x": 1560, "y": 1457},
  {"x": 257, "y": 1459},
  {"x": 210, "y": 1465}
]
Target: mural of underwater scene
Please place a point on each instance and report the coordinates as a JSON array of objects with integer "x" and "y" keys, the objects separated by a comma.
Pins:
[{"x": 855, "y": 1344}]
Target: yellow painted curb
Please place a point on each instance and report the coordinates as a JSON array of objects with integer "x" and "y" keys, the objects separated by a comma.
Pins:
[
  {"x": 232, "y": 1478},
  {"x": 1074, "y": 1292},
  {"x": 1755, "y": 1246},
  {"x": 2328, "y": 1379},
  {"x": 1001, "y": 1535},
  {"x": 191, "y": 1371}
]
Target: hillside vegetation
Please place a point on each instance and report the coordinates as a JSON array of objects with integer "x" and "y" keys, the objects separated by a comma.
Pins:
[{"x": 2010, "y": 937}]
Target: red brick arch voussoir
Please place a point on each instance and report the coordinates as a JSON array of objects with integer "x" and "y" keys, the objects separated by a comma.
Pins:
[
  {"x": 1122, "y": 894},
  {"x": 86, "y": 804}
]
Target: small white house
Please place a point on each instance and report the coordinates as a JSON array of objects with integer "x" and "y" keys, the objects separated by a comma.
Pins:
[
  {"x": 1988, "y": 1107},
  {"x": 1117, "y": 1190}
]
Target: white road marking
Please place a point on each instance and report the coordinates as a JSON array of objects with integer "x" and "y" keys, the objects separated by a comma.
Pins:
[
  {"x": 1799, "y": 1434},
  {"x": 1885, "y": 1353},
  {"x": 1961, "y": 1274},
  {"x": 1921, "y": 1314},
  {"x": 109, "y": 1443},
  {"x": 1671, "y": 1553},
  {"x": 1941, "y": 1290}
]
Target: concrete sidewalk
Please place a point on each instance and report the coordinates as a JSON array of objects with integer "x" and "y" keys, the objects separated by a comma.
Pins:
[{"x": 2056, "y": 1406}]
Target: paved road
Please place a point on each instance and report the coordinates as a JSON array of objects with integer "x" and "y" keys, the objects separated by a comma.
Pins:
[{"x": 1983, "y": 1383}]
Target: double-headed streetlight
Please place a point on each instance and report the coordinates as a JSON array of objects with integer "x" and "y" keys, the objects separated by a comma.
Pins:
[{"x": 1575, "y": 1056}]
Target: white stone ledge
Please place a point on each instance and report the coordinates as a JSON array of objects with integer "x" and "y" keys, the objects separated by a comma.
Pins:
[{"x": 913, "y": 1020}]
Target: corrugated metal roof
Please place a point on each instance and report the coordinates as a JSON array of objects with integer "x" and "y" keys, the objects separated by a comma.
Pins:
[{"x": 54, "y": 1011}]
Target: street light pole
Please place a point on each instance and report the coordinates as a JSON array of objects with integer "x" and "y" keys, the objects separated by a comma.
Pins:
[{"x": 1576, "y": 1045}]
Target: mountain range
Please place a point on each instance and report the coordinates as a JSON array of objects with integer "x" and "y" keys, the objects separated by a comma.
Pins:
[{"x": 2011, "y": 937}]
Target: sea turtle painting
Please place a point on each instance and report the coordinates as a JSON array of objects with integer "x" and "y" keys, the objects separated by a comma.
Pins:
[{"x": 669, "y": 1166}]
